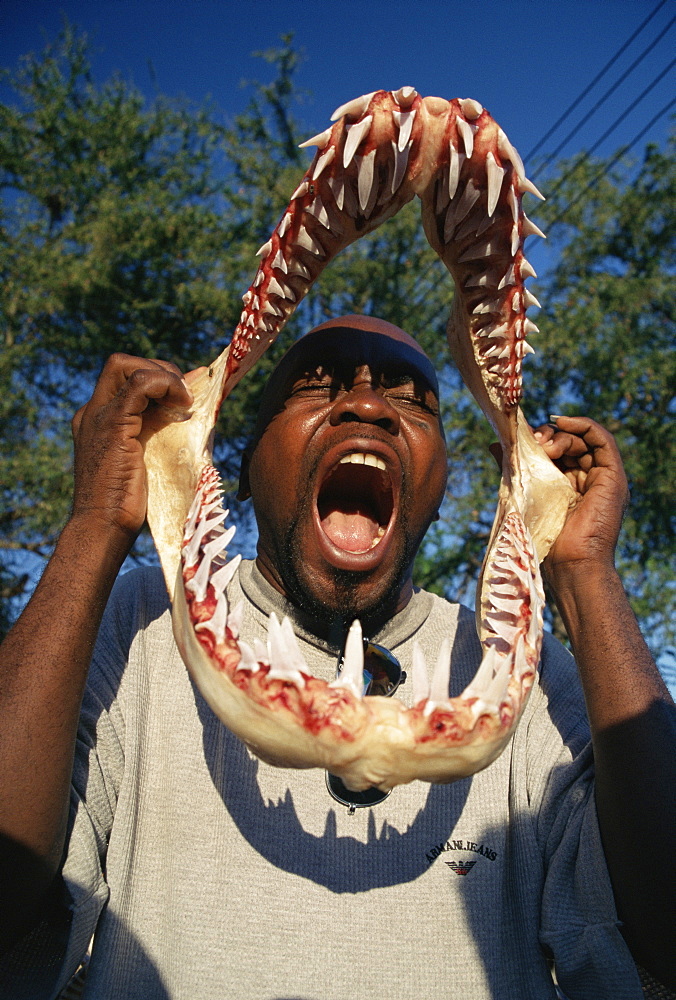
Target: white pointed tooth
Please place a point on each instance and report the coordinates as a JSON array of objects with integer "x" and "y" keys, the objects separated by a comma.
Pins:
[
  {"x": 471, "y": 108},
  {"x": 366, "y": 178},
  {"x": 318, "y": 210},
  {"x": 355, "y": 107},
  {"x": 355, "y": 134},
  {"x": 338, "y": 187},
  {"x": 223, "y": 576},
  {"x": 507, "y": 279},
  {"x": 457, "y": 212},
  {"x": 467, "y": 133},
  {"x": 269, "y": 309},
  {"x": 495, "y": 175},
  {"x": 405, "y": 96},
  {"x": 480, "y": 280},
  {"x": 275, "y": 288},
  {"x": 493, "y": 352},
  {"x": 284, "y": 224},
  {"x": 218, "y": 544},
  {"x": 301, "y": 190},
  {"x": 527, "y": 185},
  {"x": 200, "y": 581},
  {"x": 497, "y": 689},
  {"x": 260, "y": 651},
  {"x": 218, "y": 621},
  {"x": 247, "y": 657},
  {"x": 516, "y": 302},
  {"x": 530, "y": 300},
  {"x": 455, "y": 165},
  {"x": 530, "y": 327},
  {"x": 489, "y": 664},
  {"x": 400, "y": 165},
  {"x": 527, "y": 270},
  {"x": 247, "y": 297},
  {"x": 352, "y": 674},
  {"x": 439, "y": 687},
  {"x": 496, "y": 331},
  {"x": 193, "y": 514},
  {"x": 404, "y": 120},
  {"x": 251, "y": 322},
  {"x": 421, "y": 683},
  {"x": 513, "y": 202},
  {"x": 327, "y": 157},
  {"x": 506, "y": 149},
  {"x": 523, "y": 348},
  {"x": 485, "y": 224},
  {"x": 515, "y": 240},
  {"x": 478, "y": 251},
  {"x": 260, "y": 275},
  {"x": 319, "y": 140},
  {"x": 487, "y": 306},
  {"x": 235, "y": 620},
  {"x": 280, "y": 666},
  {"x": 295, "y": 267},
  {"x": 351, "y": 203},
  {"x": 530, "y": 229},
  {"x": 265, "y": 249},
  {"x": 203, "y": 528},
  {"x": 280, "y": 262},
  {"x": 303, "y": 239},
  {"x": 295, "y": 657}
]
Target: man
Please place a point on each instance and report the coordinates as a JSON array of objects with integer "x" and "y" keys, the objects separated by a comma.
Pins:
[{"x": 206, "y": 873}]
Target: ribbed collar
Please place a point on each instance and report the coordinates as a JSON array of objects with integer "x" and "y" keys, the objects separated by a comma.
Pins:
[{"x": 266, "y": 599}]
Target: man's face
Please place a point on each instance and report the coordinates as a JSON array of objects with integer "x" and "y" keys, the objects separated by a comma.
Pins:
[{"x": 348, "y": 470}]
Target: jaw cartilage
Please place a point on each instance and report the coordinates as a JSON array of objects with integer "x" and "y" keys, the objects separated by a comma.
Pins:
[{"x": 382, "y": 149}]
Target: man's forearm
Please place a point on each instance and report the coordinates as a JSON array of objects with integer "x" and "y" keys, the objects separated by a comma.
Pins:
[
  {"x": 43, "y": 668},
  {"x": 633, "y": 723}
]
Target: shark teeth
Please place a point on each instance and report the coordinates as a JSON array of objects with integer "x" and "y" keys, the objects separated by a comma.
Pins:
[
  {"x": 355, "y": 135},
  {"x": 354, "y": 108}
]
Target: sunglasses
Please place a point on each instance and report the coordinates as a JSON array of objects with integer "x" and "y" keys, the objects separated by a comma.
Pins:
[{"x": 382, "y": 676}]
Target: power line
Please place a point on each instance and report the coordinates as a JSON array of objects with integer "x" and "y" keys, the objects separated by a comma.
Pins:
[
  {"x": 596, "y": 79},
  {"x": 611, "y": 163},
  {"x": 604, "y": 170},
  {"x": 602, "y": 99},
  {"x": 611, "y": 128}
]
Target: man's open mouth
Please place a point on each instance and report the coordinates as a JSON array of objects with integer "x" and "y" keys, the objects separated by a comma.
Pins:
[{"x": 356, "y": 502}]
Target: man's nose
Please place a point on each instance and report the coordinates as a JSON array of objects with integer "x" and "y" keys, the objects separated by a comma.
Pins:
[{"x": 364, "y": 404}]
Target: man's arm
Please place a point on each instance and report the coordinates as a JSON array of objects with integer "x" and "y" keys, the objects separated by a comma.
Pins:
[
  {"x": 632, "y": 716},
  {"x": 45, "y": 658}
]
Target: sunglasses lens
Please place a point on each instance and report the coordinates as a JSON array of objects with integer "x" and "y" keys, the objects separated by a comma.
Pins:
[
  {"x": 346, "y": 797},
  {"x": 382, "y": 671}
]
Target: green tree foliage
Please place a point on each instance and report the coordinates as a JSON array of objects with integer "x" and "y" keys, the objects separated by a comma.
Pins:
[
  {"x": 606, "y": 347},
  {"x": 133, "y": 226}
]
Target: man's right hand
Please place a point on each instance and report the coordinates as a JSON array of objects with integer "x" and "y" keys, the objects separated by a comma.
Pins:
[
  {"x": 110, "y": 483},
  {"x": 45, "y": 658}
]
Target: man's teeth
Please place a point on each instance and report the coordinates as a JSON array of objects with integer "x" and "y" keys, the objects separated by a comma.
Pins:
[
  {"x": 363, "y": 458},
  {"x": 379, "y": 534}
]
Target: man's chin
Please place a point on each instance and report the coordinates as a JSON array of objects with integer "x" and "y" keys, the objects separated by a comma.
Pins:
[{"x": 337, "y": 594}]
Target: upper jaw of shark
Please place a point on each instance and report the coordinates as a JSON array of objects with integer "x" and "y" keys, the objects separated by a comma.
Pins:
[{"x": 382, "y": 149}]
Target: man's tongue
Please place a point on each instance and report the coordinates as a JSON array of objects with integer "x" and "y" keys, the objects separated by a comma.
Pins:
[{"x": 350, "y": 529}]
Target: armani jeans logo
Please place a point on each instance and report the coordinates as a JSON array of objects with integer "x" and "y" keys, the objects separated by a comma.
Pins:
[{"x": 461, "y": 867}]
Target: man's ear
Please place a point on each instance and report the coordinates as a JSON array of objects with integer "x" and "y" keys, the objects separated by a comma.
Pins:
[{"x": 244, "y": 491}]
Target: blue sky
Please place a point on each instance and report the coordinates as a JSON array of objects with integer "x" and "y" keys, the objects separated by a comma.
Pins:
[{"x": 525, "y": 62}]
